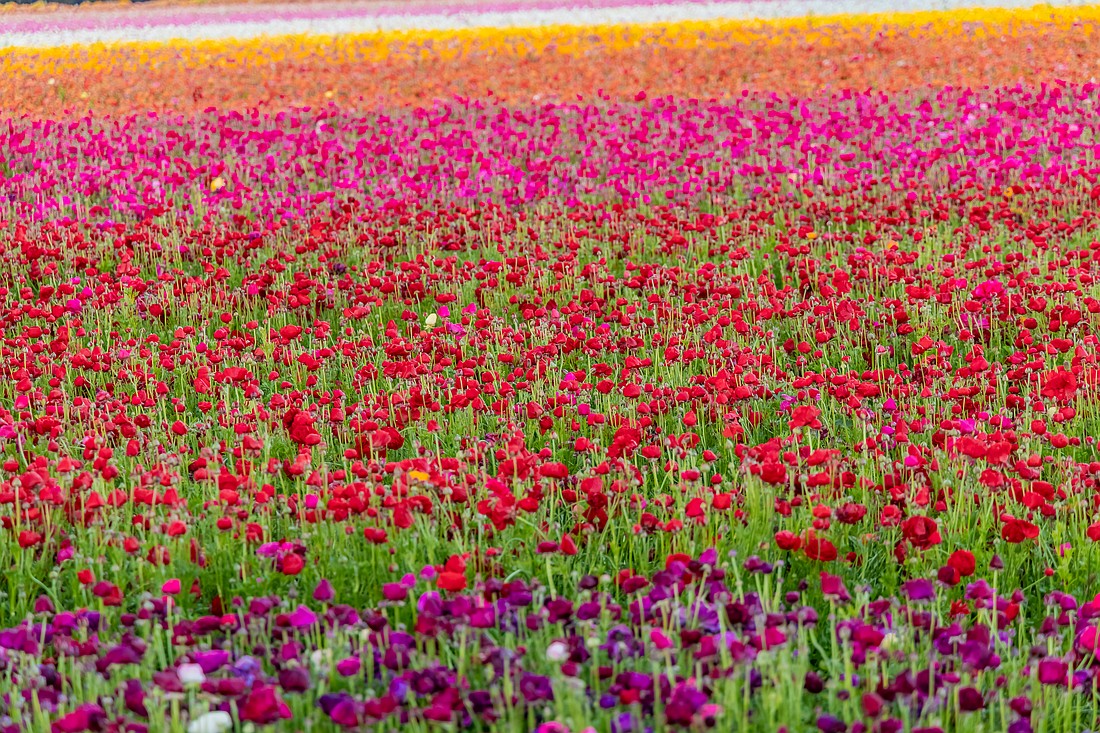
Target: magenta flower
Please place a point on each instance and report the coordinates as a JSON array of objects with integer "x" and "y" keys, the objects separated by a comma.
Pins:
[
  {"x": 1052, "y": 671},
  {"x": 263, "y": 706},
  {"x": 302, "y": 617}
]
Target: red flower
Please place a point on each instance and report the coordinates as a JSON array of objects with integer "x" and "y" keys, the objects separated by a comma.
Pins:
[
  {"x": 963, "y": 562},
  {"x": 29, "y": 539},
  {"x": 819, "y": 549},
  {"x": 292, "y": 564},
  {"x": 890, "y": 516},
  {"x": 774, "y": 474},
  {"x": 375, "y": 536},
  {"x": 805, "y": 416},
  {"x": 201, "y": 382},
  {"x": 554, "y": 470},
  {"x": 300, "y": 427},
  {"x": 568, "y": 546},
  {"x": 921, "y": 532},
  {"x": 788, "y": 541},
  {"x": 948, "y": 575},
  {"x": 1060, "y": 385},
  {"x": 451, "y": 581},
  {"x": 1018, "y": 530},
  {"x": 851, "y": 513}
]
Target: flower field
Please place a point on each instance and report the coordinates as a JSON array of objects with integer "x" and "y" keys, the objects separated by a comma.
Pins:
[{"x": 705, "y": 374}]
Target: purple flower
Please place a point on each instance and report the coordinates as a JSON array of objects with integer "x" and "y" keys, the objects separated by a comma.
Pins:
[
  {"x": 429, "y": 604},
  {"x": 832, "y": 587},
  {"x": 268, "y": 549},
  {"x": 324, "y": 592},
  {"x": 979, "y": 590},
  {"x": 535, "y": 687},
  {"x": 210, "y": 661},
  {"x": 349, "y": 667},
  {"x": 302, "y": 617},
  {"x": 829, "y": 724},
  {"x": 346, "y": 712},
  {"x": 970, "y": 699},
  {"x": 330, "y": 700},
  {"x": 247, "y": 668},
  {"x": 1053, "y": 671},
  {"x": 918, "y": 589},
  {"x": 625, "y": 723},
  {"x": 121, "y": 654},
  {"x": 559, "y": 609},
  {"x": 133, "y": 696},
  {"x": 394, "y": 592},
  {"x": 85, "y": 717},
  {"x": 294, "y": 679},
  {"x": 483, "y": 617}
]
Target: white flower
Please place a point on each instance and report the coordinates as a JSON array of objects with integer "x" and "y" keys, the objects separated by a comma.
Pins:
[
  {"x": 191, "y": 674},
  {"x": 557, "y": 652},
  {"x": 216, "y": 721}
]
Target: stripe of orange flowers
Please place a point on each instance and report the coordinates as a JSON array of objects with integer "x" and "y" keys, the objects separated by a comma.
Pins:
[{"x": 705, "y": 58}]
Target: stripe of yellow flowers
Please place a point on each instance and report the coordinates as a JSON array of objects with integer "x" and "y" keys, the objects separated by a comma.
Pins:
[{"x": 562, "y": 39}]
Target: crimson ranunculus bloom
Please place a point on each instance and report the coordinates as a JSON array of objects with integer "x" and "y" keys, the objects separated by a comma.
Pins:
[
  {"x": 963, "y": 561},
  {"x": 921, "y": 532},
  {"x": 805, "y": 416},
  {"x": 786, "y": 540},
  {"x": 1018, "y": 530},
  {"x": 292, "y": 565},
  {"x": 1060, "y": 385},
  {"x": 451, "y": 581},
  {"x": 774, "y": 474},
  {"x": 819, "y": 549}
]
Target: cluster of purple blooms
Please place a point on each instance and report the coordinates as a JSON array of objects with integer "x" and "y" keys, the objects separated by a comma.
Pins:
[{"x": 685, "y": 648}]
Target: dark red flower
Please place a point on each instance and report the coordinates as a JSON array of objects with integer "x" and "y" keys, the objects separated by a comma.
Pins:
[{"x": 921, "y": 532}]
